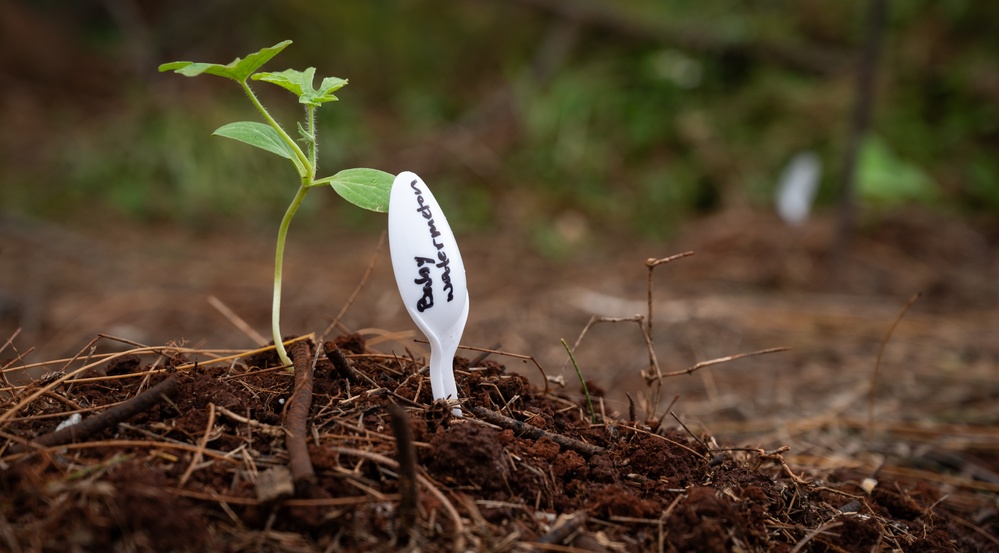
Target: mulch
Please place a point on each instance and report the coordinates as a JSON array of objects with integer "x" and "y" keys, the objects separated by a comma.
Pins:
[{"x": 195, "y": 453}]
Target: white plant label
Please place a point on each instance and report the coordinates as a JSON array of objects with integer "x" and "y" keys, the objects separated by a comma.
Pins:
[
  {"x": 798, "y": 185},
  {"x": 430, "y": 275}
]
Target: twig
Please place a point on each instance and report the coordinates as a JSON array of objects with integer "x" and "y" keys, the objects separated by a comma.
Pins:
[
  {"x": 18, "y": 359},
  {"x": 111, "y": 417},
  {"x": 459, "y": 539},
  {"x": 652, "y": 263},
  {"x": 360, "y": 286},
  {"x": 598, "y": 319},
  {"x": 299, "y": 406},
  {"x": 482, "y": 356},
  {"x": 535, "y": 433},
  {"x": 860, "y": 122},
  {"x": 238, "y": 355},
  {"x": 406, "y": 452},
  {"x": 815, "y": 532},
  {"x": 975, "y": 528},
  {"x": 692, "y": 435},
  {"x": 525, "y": 358},
  {"x": 563, "y": 530},
  {"x": 202, "y": 444},
  {"x": 125, "y": 341},
  {"x": 263, "y": 428},
  {"x": 340, "y": 361},
  {"x": 726, "y": 359},
  {"x": 877, "y": 366},
  {"x": 237, "y": 321},
  {"x": 3, "y": 373},
  {"x": 777, "y": 458},
  {"x": 654, "y": 372}
]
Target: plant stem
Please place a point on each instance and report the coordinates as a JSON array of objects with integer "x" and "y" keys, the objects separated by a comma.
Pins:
[
  {"x": 278, "y": 264},
  {"x": 586, "y": 391},
  {"x": 270, "y": 121},
  {"x": 310, "y": 174},
  {"x": 310, "y": 118}
]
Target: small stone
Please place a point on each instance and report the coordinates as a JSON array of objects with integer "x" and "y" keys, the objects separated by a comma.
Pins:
[{"x": 275, "y": 483}]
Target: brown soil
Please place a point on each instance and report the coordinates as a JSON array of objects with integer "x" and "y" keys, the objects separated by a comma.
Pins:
[{"x": 166, "y": 480}]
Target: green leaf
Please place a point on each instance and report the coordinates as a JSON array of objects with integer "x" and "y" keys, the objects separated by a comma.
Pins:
[
  {"x": 262, "y": 136},
  {"x": 299, "y": 83},
  {"x": 367, "y": 188},
  {"x": 886, "y": 180},
  {"x": 306, "y": 137},
  {"x": 256, "y": 134},
  {"x": 238, "y": 69}
]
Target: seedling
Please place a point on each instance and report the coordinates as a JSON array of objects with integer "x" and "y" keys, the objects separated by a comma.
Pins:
[
  {"x": 366, "y": 188},
  {"x": 582, "y": 382}
]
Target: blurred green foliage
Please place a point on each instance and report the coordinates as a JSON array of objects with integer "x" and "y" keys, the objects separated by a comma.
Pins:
[{"x": 662, "y": 110}]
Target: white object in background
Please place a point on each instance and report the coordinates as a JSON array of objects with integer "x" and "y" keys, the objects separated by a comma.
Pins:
[
  {"x": 430, "y": 275},
  {"x": 798, "y": 185},
  {"x": 75, "y": 418}
]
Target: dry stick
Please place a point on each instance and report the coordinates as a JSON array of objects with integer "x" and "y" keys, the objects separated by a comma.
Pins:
[
  {"x": 144, "y": 350},
  {"x": 482, "y": 356},
  {"x": 406, "y": 452},
  {"x": 651, "y": 264},
  {"x": 726, "y": 359},
  {"x": 357, "y": 290},
  {"x": 340, "y": 361},
  {"x": 3, "y": 373},
  {"x": 692, "y": 435},
  {"x": 973, "y": 527},
  {"x": 860, "y": 123},
  {"x": 237, "y": 500},
  {"x": 202, "y": 444},
  {"x": 560, "y": 532},
  {"x": 598, "y": 319},
  {"x": 535, "y": 433},
  {"x": 238, "y": 355},
  {"x": 654, "y": 361},
  {"x": 654, "y": 372},
  {"x": 459, "y": 540},
  {"x": 114, "y": 415},
  {"x": 217, "y": 455},
  {"x": 19, "y": 359},
  {"x": 263, "y": 428},
  {"x": 815, "y": 532},
  {"x": 299, "y": 462},
  {"x": 237, "y": 321},
  {"x": 525, "y": 358},
  {"x": 877, "y": 366}
]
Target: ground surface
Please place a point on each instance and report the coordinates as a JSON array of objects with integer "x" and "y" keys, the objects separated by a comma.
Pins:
[{"x": 930, "y": 445}]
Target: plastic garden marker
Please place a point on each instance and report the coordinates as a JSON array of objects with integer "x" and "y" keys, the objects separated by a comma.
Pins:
[
  {"x": 798, "y": 186},
  {"x": 430, "y": 275}
]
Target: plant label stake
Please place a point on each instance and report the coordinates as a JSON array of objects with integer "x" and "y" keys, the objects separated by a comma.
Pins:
[
  {"x": 798, "y": 186},
  {"x": 430, "y": 275}
]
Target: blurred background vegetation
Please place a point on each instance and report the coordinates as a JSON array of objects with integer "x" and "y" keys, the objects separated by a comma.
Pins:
[{"x": 541, "y": 117}]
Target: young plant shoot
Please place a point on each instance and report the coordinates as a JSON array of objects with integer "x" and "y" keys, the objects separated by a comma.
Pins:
[{"x": 366, "y": 188}]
